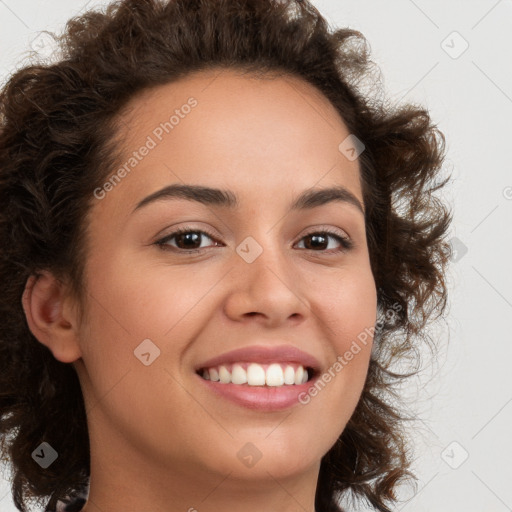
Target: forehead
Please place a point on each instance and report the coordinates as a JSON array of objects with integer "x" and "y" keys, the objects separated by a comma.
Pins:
[{"x": 222, "y": 128}]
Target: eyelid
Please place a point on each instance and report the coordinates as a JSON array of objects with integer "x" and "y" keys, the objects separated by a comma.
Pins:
[
  {"x": 327, "y": 229},
  {"x": 172, "y": 231}
]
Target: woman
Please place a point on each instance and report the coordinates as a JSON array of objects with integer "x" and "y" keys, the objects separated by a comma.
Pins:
[{"x": 215, "y": 247}]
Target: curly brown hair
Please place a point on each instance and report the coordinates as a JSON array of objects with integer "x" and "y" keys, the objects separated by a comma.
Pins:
[{"x": 56, "y": 148}]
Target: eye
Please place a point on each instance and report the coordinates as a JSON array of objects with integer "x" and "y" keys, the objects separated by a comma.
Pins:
[
  {"x": 319, "y": 239},
  {"x": 186, "y": 240}
]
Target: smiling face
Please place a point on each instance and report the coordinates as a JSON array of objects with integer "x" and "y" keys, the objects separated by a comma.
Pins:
[{"x": 259, "y": 269}]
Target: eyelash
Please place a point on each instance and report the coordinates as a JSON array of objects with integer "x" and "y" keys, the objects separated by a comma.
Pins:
[{"x": 346, "y": 243}]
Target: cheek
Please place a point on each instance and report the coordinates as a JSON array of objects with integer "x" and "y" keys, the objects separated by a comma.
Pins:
[
  {"x": 347, "y": 306},
  {"x": 127, "y": 308},
  {"x": 142, "y": 301},
  {"x": 129, "y": 305},
  {"x": 346, "y": 311}
]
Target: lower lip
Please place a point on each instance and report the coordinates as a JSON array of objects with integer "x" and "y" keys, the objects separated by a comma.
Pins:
[{"x": 262, "y": 398}]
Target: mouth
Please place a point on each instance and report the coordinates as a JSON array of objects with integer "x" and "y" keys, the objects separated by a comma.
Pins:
[
  {"x": 258, "y": 387},
  {"x": 252, "y": 374},
  {"x": 262, "y": 378}
]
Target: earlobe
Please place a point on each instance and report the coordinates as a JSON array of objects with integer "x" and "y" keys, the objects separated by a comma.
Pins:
[{"x": 43, "y": 303}]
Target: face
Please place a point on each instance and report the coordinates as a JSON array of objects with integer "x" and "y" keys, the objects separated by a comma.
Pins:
[{"x": 275, "y": 281}]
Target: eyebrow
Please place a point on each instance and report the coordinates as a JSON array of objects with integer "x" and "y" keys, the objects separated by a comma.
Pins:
[{"x": 310, "y": 198}]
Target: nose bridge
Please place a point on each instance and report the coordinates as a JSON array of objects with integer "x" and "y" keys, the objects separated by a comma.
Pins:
[
  {"x": 265, "y": 281},
  {"x": 263, "y": 255},
  {"x": 263, "y": 241}
]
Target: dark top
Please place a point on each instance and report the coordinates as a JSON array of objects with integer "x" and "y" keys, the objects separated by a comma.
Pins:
[
  {"x": 73, "y": 503},
  {"x": 68, "y": 505}
]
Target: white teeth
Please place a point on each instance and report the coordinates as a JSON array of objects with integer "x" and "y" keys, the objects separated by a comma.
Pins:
[
  {"x": 255, "y": 375},
  {"x": 224, "y": 375},
  {"x": 274, "y": 375},
  {"x": 289, "y": 375},
  {"x": 298, "y": 375},
  {"x": 238, "y": 375}
]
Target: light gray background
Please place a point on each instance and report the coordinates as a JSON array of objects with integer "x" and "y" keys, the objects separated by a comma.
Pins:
[{"x": 464, "y": 408}]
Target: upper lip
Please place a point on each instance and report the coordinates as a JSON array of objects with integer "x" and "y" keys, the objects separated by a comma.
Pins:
[{"x": 264, "y": 354}]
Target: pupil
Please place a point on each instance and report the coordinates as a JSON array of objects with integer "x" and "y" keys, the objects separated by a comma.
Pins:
[
  {"x": 189, "y": 237},
  {"x": 316, "y": 239}
]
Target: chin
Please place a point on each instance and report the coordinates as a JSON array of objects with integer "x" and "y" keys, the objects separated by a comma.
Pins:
[{"x": 264, "y": 457}]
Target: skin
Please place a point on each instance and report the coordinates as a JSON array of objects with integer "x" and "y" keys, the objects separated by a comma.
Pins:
[{"x": 158, "y": 440}]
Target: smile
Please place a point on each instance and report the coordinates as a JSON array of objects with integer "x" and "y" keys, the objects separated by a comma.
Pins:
[{"x": 255, "y": 374}]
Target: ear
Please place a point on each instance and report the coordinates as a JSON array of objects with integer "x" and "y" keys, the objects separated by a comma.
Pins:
[{"x": 50, "y": 317}]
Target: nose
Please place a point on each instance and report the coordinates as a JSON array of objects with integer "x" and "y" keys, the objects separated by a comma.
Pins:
[{"x": 269, "y": 290}]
